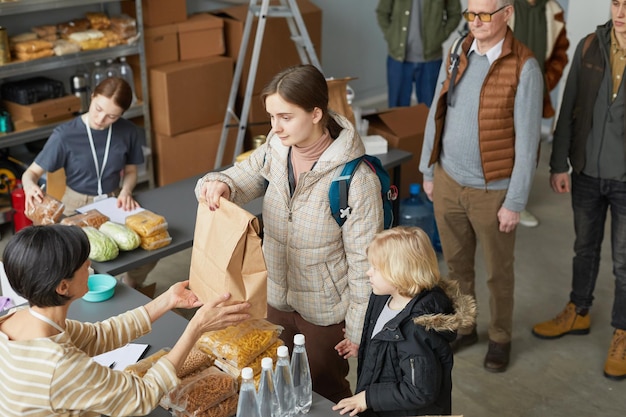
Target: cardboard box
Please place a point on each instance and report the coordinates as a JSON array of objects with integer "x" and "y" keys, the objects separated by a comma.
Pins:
[
  {"x": 191, "y": 153},
  {"x": 161, "y": 45},
  {"x": 188, "y": 95},
  {"x": 44, "y": 110},
  {"x": 403, "y": 127},
  {"x": 278, "y": 51},
  {"x": 201, "y": 36},
  {"x": 157, "y": 12}
]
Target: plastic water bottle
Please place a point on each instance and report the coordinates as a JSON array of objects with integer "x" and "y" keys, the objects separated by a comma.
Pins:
[
  {"x": 247, "y": 405},
  {"x": 415, "y": 211},
  {"x": 267, "y": 397},
  {"x": 301, "y": 373},
  {"x": 284, "y": 383},
  {"x": 126, "y": 72},
  {"x": 112, "y": 69},
  {"x": 98, "y": 74}
]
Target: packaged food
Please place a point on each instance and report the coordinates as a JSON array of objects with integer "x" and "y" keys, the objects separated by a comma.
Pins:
[
  {"x": 103, "y": 248},
  {"x": 195, "y": 361},
  {"x": 85, "y": 35},
  {"x": 146, "y": 223},
  {"x": 255, "y": 364},
  {"x": 91, "y": 44},
  {"x": 156, "y": 241},
  {"x": 98, "y": 20},
  {"x": 125, "y": 237},
  {"x": 32, "y": 46},
  {"x": 22, "y": 37},
  {"x": 142, "y": 366},
  {"x": 240, "y": 344},
  {"x": 112, "y": 38},
  {"x": 45, "y": 30},
  {"x": 91, "y": 218},
  {"x": 64, "y": 47},
  {"x": 198, "y": 393},
  {"x": 77, "y": 25},
  {"x": 49, "y": 211},
  {"x": 124, "y": 26},
  {"x": 226, "y": 408},
  {"x": 29, "y": 56}
]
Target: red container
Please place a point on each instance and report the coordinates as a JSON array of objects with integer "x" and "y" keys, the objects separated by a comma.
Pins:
[{"x": 18, "y": 201}]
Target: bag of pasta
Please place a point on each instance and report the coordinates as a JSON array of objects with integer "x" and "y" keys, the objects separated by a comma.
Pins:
[
  {"x": 146, "y": 223},
  {"x": 240, "y": 344},
  {"x": 197, "y": 393}
]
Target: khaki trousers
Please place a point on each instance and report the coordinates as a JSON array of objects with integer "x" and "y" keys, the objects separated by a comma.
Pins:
[{"x": 466, "y": 216}]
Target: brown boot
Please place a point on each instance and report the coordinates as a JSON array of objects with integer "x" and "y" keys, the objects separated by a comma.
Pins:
[
  {"x": 569, "y": 321},
  {"x": 497, "y": 358},
  {"x": 615, "y": 365}
]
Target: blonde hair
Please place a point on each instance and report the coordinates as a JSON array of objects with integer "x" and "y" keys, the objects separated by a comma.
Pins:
[{"x": 405, "y": 257}]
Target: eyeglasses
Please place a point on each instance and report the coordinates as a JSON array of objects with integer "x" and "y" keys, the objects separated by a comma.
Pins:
[{"x": 483, "y": 17}]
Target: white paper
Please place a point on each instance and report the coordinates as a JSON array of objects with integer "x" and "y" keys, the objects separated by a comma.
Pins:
[
  {"x": 120, "y": 358},
  {"x": 109, "y": 208}
]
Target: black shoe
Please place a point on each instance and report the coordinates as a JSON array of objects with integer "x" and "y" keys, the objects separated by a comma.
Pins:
[
  {"x": 497, "y": 358},
  {"x": 464, "y": 340}
]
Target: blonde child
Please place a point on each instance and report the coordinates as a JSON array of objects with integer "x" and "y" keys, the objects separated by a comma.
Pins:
[{"x": 405, "y": 359}]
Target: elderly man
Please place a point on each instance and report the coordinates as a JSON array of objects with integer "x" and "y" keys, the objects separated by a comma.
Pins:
[{"x": 479, "y": 158}]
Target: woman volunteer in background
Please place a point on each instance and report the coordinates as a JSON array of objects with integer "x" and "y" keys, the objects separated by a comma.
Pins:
[{"x": 99, "y": 150}]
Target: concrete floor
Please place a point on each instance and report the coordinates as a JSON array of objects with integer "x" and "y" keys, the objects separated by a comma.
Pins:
[{"x": 558, "y": 378}]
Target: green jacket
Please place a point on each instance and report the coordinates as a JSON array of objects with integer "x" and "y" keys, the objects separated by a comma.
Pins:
[{"x": 439, "y": 19}]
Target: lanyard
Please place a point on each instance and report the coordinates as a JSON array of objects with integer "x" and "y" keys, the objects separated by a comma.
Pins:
[
  {"x": 45, "y": 319},
  {"x": 99, "y": 171}
]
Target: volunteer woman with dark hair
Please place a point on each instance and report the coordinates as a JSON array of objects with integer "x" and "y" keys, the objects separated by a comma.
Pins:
[
  {"x": 46, "y": 364},
  {"x": 317, "y": 282},
  {"x": 99, "y": 150}
]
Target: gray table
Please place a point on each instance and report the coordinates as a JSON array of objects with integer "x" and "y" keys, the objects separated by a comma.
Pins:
[
  {"x": 178, "y": 204},
  {"x": 165, "y": 333}
]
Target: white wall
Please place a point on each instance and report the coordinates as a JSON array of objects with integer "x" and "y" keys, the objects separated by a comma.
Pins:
[{"x": 352, "y": 44}]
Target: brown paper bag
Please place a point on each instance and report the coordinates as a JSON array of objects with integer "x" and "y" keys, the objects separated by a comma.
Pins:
[{"x": 227, "y": 257}]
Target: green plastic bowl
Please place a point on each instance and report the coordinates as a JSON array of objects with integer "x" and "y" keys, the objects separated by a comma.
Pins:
[{"x": 101, "y": 288}]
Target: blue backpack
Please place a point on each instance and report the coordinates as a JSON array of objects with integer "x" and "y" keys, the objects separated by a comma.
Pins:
[{"x": 340, "y": 186}]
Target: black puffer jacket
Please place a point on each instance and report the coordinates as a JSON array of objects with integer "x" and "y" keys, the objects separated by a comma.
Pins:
[{"x": 406, "y": 369}]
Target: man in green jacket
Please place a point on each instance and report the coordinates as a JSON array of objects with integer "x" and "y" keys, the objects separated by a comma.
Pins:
[{"x": 415, "y": 31}]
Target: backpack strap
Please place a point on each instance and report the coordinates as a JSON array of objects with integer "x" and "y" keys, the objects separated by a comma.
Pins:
[
  {"x": 339, "y": 187},
  {"x": 454, "y": 66}
]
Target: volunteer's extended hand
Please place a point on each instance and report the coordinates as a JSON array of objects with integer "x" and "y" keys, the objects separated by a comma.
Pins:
[{"x": 212, "y": 191}]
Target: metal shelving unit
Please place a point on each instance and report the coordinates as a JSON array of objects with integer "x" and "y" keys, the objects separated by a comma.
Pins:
[{"x": 84, "y": 57}]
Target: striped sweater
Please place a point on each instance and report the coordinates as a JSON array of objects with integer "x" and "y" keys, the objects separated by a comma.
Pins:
[{"x": 56, "y": 376}]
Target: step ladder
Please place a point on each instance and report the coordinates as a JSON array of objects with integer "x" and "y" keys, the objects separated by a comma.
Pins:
[{"x": 261, "y": 9}]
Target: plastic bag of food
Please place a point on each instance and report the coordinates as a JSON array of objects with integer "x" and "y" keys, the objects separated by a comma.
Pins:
[
  {"x": 103, "y": 248},
  {"x": 125, "y": 237},
  {"x": 91, "y": 218},
  {"x": 157, "y": 241},
  {"x": 146, "y": 223},
  {"x": 195, "y": 361},
  {"x": 49, "y": 211},
  {"x": 240, "y": 344},
  {"x": 198, "y": 393},
  {"x": 64, "y": 47},
  {"x": 226, "y": 408},
  {"x": 142, "y": 366}
]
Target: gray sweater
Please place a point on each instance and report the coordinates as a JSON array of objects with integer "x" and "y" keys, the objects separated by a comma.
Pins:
[{"x": 460, "y": 156}]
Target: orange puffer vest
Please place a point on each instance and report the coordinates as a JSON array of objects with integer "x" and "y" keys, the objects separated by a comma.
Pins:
[{"x": 496, "y": 128}]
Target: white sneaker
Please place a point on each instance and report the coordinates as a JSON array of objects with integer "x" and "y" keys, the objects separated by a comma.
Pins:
[{"x": 527, "y": 219}]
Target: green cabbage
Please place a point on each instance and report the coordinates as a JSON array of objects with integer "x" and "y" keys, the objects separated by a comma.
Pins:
[
  {"x": 103, "y": 248},
  {"x": 125, "y": 237}
]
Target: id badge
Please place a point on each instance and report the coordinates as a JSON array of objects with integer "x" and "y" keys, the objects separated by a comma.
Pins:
[{"x": 100, "y": 197}]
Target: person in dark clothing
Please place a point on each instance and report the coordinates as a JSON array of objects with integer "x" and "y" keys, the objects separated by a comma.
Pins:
[{"x": 405, "y": 359}]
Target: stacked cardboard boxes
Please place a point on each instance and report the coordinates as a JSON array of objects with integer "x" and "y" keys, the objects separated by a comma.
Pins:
[{"x": 191, "y": 61}]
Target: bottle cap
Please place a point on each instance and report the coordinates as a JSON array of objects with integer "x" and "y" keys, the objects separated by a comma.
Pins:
[
  {"x": 414, "y": 188},
  {"x": 282, "y": 351},
  {"x": 298, "y": 339},
  {"x": 267, "y": 363},
  {"x": 247, "y": 373}
]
